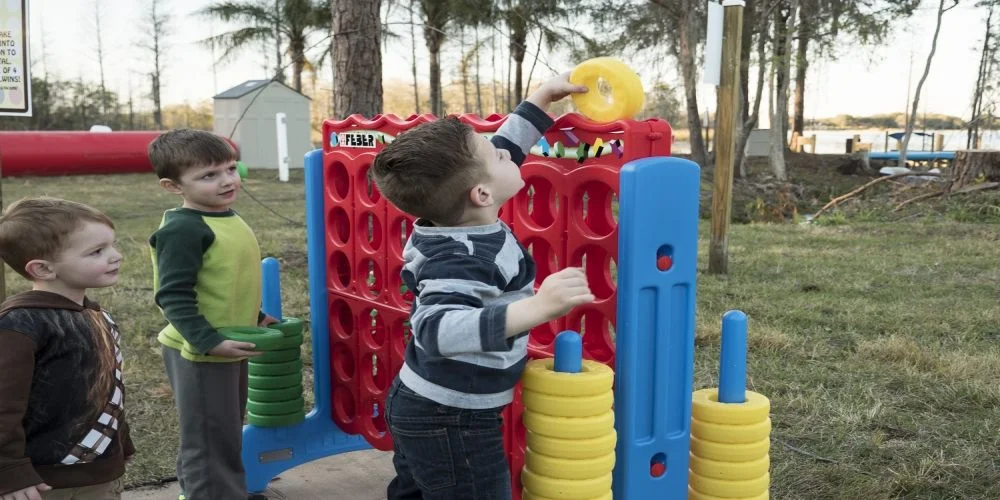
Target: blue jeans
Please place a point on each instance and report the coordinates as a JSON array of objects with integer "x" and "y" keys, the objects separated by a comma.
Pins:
[{"x": 445, "y": 453}]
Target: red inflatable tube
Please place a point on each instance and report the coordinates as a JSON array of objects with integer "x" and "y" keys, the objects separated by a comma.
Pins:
[{"x": 75, "y": 153}]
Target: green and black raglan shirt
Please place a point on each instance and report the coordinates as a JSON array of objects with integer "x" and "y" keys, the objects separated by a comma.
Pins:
[{"x": 206, "y": 275}]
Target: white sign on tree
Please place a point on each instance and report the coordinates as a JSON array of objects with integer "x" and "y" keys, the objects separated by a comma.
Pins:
[{"x": 15, "y": 77}]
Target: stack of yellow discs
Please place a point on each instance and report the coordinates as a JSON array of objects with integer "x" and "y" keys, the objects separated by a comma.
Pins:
[
  {"x": 729, "y": 447},
  {"x": 571, "y": 432}
]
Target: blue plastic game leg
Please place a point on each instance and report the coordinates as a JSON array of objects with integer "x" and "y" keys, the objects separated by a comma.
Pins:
[
  {"x": 657, "y": 256},
  {"x": 269, "y": 451}
]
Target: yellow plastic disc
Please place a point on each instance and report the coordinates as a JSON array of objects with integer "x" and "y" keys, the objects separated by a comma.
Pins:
[
  {"x": 568, "y": 406},
  {"x": 562, "y": 468},
  {"x": 564, "y": 489},
  {"x": 572, "y": 448},
  {"x": 594, "y": 379},
  {"x": 694, "y": 495},
  {"x": 729, "y": 489},
  {"x": 728, "y": 434},
  {"x": 527, "y": 495},
  {"x": 626, "y": 95},
  {"x": 569, "y": 428},
  {"x": 730, "y": 471},
  {"x": 707, "y": 408},
  {"x": 743, "y": 452}
]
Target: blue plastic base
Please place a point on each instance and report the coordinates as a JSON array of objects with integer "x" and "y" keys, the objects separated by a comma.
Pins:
[{"x": 269, "y": 451}]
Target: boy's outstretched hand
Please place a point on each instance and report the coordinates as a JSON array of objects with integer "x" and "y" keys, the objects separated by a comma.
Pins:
[
  {"x": 562, "y": 291},
  {"x": 559, "y": 293},
  {"x": 233, "y": 349},
  {"x": 554, "y": 90}
]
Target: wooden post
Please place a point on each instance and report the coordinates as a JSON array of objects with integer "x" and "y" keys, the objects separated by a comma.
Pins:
[
  {"x": 886, "y": 141},
  {"x": 812, "y": 140},
  {"x": 725, "y": 139}
]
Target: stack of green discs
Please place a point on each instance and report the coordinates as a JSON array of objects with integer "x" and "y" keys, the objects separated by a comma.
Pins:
[{"x": 275, "y": 394}]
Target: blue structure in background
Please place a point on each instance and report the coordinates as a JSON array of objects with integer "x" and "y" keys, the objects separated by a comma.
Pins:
[
  {"x": 269, "y": 451},
  {"x": 915, "y": 155},
  {"x": 658, "y": 218},
  {"x": 657, "y": 258}
]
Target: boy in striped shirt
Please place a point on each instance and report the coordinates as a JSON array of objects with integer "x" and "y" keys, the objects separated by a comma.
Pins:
[{"x": 474, "y": 299}]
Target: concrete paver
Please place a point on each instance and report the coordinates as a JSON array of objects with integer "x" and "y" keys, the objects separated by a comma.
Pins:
[{"x": 359, "y": 475}]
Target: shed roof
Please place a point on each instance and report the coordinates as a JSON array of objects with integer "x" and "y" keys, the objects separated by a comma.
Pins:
[{"x": 249, "y": 86}]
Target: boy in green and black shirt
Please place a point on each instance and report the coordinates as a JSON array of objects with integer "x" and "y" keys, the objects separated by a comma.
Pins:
[{"x": 206, "y": 276}]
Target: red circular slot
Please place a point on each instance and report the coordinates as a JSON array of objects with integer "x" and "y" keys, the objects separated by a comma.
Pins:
[
  {"x": 592, "y": 209},
  {"x": 343, "y": 362},
  {"x": 546, "y": 260},
  {"x": 595, "y": 329},
  {"x": 339, "y": 225},
  {"x": 370, "y": 226},
  {"x": 340, "y": 269},
  {"x": 370, "y": 193},
  {"x": 370, "y": 276},
  {"x": 379, "y": 421},
  {"x": 372, "y": 329},
  {"x": 341, "y": 319},
  {"x": 338, "y": 180},
  {"x": 376, "y": 376},
  {"x": 399, "y": 232},
  {"x": 537, "y": 203},
  {"x": 344, "y": 408}
]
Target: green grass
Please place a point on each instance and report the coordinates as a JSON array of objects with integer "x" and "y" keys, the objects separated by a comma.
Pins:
[{"x": 876, "y": 342}]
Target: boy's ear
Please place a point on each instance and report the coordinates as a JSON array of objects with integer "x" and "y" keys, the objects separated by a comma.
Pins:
[
  {"x": 40, "y": 270},
  {"x": 480, "y": 196},
  {"x": 170, "y": 185}
]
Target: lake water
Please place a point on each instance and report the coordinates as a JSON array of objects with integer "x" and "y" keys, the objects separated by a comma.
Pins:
[{"x": 833, "y": 141}]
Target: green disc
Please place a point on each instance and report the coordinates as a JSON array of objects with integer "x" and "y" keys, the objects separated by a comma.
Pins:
[
  {"x": 275, "y": 382},
  {"x": 276, "y": 420},
  {"x": 275, "y": 395},
  {"x": 288, "y": 326},
  {"x": 271, "y": 369},
  {"x": 280, "y": 356},
  {"x": 265, "y": 339},
  {"x": 241, "y": 168},
  {"x": 292, "y": 342},
  {"x": 276, "y": 409}
]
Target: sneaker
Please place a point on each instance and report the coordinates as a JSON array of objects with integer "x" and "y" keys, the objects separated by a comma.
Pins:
[
  {"x": 181, "y": 497},
  {"x": 256, "y": 496}
]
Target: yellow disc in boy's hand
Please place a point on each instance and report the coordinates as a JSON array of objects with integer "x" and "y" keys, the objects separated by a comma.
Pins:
[{"x": 623, "y": 100}]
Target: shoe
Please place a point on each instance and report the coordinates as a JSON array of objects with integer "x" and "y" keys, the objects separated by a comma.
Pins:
[
  {"x": 181, "y": 497},
  {"x": 256, "y": 496}
]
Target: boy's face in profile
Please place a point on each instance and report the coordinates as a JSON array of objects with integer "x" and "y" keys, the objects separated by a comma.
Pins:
[
  {"x": 209, "y": 188},
  {"x": 89, "y": 258},
  {"x": 504, "y": 177}
]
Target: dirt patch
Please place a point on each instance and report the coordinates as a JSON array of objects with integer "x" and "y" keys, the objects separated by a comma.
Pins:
[{"x": 812, "y": 181}]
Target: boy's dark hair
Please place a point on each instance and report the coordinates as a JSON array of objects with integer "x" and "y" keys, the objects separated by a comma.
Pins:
[
  {"x": 175, "y": 151},
  {"x": 37, "y": 228},
  {"x": 427, "y": 172}
]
